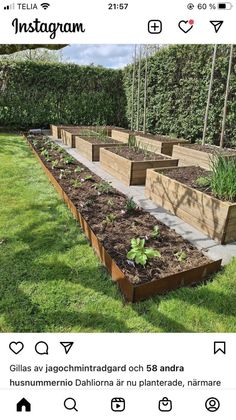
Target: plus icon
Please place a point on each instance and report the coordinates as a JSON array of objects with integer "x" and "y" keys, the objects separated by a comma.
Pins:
[{"x": 155, "y": 26}]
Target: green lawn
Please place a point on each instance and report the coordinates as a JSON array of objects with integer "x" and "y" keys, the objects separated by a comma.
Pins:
[{"x": 51, "y": 281}]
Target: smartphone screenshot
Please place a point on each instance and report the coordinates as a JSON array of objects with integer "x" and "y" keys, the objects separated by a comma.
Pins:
[{"x": 117, "y": 210}]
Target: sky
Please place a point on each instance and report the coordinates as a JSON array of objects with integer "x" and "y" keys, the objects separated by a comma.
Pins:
[{"x": 112, "y": 56}]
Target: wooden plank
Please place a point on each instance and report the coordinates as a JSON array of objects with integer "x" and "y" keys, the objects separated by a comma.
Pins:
[{"x": 191, "y": 156}]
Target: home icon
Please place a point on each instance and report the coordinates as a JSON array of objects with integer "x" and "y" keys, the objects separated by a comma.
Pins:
[{"x": 23, "y": 405}]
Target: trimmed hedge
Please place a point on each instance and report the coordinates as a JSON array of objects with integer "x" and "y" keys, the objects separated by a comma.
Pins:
[
  {"x": 37, "y": 94},
  {"x": 178, "y": 79}
]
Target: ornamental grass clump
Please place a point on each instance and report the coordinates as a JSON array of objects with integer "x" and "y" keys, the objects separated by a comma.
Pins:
[{"x": 223, "y": 178}]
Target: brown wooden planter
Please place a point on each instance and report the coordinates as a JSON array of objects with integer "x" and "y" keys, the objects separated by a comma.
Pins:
[
  {"x": 129, "y": 171},
  {"x": 89, "y": 150},
  {"x": 133, "y": 293},
  {"x": 121, "y": 134},
  {"x": 158, "y": 143},
  {"x": 191, "y": 156},
  {"x": 56, "y": 130},
  {"x": 214, "y": 217}
]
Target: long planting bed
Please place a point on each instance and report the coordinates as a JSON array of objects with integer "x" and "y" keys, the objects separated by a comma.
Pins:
[
  {"x": 144, "y": 258},
  {"x": 187, "y": 193},
  {"x": 129, "y": 164}
]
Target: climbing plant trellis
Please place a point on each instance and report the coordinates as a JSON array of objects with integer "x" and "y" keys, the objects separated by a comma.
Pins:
[{"x": 142, "y": 54}]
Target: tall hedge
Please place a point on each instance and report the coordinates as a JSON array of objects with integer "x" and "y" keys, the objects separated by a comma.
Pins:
[
  {"x": 178, "y": 79},
  {"x": 37, "y": 94}
]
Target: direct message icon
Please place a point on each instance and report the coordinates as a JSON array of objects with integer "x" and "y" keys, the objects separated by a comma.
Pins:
[
  {"x": 165, "y": 405},
  {"x": 118, "y": 404}
]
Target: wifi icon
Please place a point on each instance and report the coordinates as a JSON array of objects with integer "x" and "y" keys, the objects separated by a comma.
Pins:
[{"x": 45, "y": 6}]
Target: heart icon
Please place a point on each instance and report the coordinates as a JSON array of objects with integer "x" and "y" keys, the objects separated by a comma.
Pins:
[
  {"x": 16, "y": 347},
  {"x": 186, "y": 25}
]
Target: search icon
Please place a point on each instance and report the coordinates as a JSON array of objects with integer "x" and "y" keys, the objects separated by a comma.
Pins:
[{"x": 70, "y": 404}]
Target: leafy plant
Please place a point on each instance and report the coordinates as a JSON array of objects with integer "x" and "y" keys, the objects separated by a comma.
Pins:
[
  {"x": 78, "y": 169},
  {"x": 76, "y": 183},
  {"x": 68, "y": 160},
  {"x": 88, "y": 177},
  {"x": 64, "y": 173},
  {"x": 155, "y": 232},
  {"x": 140, "y": 254},
  {"x": 103, "y": 187},
  {"x": 181, "y": 255},
  {"x": 55, "y": 163},
  {"x": 110, "y": 202},
  {"x": 45, "y": 153},
  {"x": 130, "y": 205},
  {"x": 203, "y": 181},
  {"x": 110, "y": 218},
  {"x": 223, "y": 179}
]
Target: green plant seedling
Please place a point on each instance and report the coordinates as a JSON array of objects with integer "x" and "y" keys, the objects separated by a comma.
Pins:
[
  {"x": 110, "y": 202},
  {"x": 88, "y": 177},
  {"x": 64, "y": 173},
  {"x": 140, "y": 254},
  {"x": 223, "y": 179},
  {"x": 110, "y": 218},
  {"x": 55, "y": 163},
  {"x": 76, "y": 183},
  {"x": 130, "y": 205},
  {"x": 68, "y": 160},
  {"x": 103, "y": 187},
  {"x": 78, "y": 169},
  {"x": 203, "y": 181},
  {"x": 155, "y": 232},
  {"x": 181, "y": 255}
]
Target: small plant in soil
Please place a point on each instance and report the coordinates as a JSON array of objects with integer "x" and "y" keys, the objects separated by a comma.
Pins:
[
  {"x": 130, "y": 205},
  {"x": 88, "y": 177},
  {"x": 64, "y": 173},
  {"x": 223, "y": 179},
  {"x": 155, "y": 232},
  {"x": 68, "y": 160},
  {"x": 55, "y": 163},
  {"x": 203, "y": 181},
  {"x": 140, "y": 254},
  {"x": 76, "y": 183},
  {"x": 110, "y": 218},
  {"x": 45, "y": 153},
  {"x": 78, "y": 169},
  {"x": 181, "y": 255},
  {"x": 110, "y": 202},
  {"x": 103, "y": 187}
]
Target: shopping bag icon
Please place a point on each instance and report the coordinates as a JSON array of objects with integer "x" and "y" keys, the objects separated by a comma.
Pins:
[{"x": 165, "y": 405}]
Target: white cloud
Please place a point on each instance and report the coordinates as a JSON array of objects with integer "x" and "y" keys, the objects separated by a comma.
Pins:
[{"x": 111, "y": 55}]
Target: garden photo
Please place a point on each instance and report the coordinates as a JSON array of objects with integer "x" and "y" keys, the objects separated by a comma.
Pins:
[{"x": 118, "y": 188}]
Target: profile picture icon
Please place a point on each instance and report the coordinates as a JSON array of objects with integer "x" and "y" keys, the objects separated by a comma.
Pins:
[{"x": 212, "y": 404}]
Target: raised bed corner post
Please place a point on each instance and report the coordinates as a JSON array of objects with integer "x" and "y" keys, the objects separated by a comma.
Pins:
[
  {"x": 226, "y": 96},
  {"x": 133, "y": 84},
  {"x": 209, "y": 95},
  {"x": 139, "y": 80},
  {"x": 145, "y": 91}
]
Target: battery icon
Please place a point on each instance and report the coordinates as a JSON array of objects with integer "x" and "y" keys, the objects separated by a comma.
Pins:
[{"x": 225, "y": 6}]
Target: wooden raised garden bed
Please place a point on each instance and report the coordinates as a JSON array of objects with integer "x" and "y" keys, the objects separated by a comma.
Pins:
[
  {"x": 111, "y": 241},
  {"x": 195, "y": 155},
  {"x": 90, "y": 147},
  {"x": 132, "y": 172},
  {"x": 56, "y": 130},
  {"x": 121, "y": 134},
  {"x": 158, "y": 143},
  {"x": 214, "y": 217}
]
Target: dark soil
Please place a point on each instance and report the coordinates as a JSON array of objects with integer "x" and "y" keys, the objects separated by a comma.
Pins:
[
  {"x": 114, "y": 225},
  {"x": 209, "y": 148},
  {"x": 102, "y": 140},
  {"x": 136, "y": 155},
  {"x": 189, "y": 176}
]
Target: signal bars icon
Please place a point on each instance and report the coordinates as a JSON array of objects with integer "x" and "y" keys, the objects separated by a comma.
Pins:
[{"x": 9, "y": 6}]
